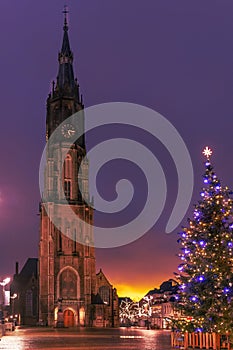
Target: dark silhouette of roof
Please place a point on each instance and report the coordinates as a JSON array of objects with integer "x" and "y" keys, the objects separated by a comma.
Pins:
[
  {"x": 30, "y": 268},
  {"x": 120, "y": 299},
  {"x": 28, "y": 272},
  {"x": 167, "y": 286}
]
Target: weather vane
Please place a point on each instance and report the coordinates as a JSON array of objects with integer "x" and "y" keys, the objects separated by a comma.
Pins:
[
  {"x": 65, "y": 11},
  {"x": 207, "y": 152}
]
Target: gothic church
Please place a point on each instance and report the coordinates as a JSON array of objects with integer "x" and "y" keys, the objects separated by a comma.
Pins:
[{"x": 70, "y": 292}]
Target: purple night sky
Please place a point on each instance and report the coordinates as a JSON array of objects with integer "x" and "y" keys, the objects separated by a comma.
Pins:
[{"x": 175, "y": 57}]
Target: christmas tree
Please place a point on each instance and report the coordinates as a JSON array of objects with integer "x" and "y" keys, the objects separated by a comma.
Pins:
[{"x": 206, "y": 270}]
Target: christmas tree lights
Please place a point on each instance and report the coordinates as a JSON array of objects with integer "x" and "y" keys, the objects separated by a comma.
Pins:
[{"x": 206, "y": 270}]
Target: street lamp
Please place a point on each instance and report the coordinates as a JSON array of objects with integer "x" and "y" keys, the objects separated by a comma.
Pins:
[
  {"x": 5, "y": 281},
  {"x": 13, "y": 297}
]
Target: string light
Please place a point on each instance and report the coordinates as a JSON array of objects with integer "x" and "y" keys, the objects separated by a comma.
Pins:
[{"x": 206, "y": 272}]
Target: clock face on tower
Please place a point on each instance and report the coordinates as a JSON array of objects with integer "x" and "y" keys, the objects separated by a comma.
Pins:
[{"x": 68, "y": 130}]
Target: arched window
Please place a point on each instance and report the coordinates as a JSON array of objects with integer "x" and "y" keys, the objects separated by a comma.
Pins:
[
  {"x": 68, "y": 167},
  {"x": 68, "y": 284},
  {"x": 67, "y": 170},
  {"x": 104, "y": 293}
]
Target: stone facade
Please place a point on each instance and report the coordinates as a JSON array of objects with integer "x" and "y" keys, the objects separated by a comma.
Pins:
[{"x": 105, "y": 305}]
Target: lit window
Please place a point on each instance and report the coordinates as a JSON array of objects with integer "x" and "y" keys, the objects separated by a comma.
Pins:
[{"x": 104, "y": 293}]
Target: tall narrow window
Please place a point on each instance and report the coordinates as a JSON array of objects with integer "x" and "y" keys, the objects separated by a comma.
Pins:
[
  {"x": 68, "y": 167},
  {"x": 28, "y": 302},
  {"x": 55, "y": 187},
  {"x": 59, "y": 241},
  {"x": 67, "y": 189},
  {"x": 74, "y": 241}
]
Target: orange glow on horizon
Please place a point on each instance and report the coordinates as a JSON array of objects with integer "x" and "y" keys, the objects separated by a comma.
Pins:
[
  {"x": 137, "y": 291},
  {"x": 135, "y": 279}
]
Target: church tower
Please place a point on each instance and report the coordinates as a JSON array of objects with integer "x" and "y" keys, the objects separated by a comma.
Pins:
[{"x": 67, "y": 276}]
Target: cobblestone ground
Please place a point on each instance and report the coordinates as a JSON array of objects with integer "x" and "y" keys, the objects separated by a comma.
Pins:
[{"x": 95, "y": 339}]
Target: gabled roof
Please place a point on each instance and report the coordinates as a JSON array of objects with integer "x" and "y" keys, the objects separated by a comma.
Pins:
[
  {"x": 102, "y": 276},
  {"x": 30, "y": 268},
  {"x": 154, "y": 291},
  {"x": 24, "y": 278},
  {"x": 166, "y": 286}
]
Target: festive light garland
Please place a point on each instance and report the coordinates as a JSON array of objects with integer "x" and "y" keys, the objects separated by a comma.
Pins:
[{"x": 206, "y": 271}]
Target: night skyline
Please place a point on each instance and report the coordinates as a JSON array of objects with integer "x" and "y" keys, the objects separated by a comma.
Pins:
[{"x": 175, "y": 59}]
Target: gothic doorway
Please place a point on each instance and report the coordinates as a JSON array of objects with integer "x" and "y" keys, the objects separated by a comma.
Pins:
[{"x": 68, "y": 318}]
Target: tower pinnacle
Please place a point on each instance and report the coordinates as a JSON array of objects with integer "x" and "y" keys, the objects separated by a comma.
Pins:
[
  {"x": 65, "y": 11},
  {"x": 65, "y": 80}
]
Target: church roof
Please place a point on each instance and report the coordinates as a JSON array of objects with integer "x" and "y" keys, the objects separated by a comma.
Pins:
[
  {"x": 101, "y": 276},
  {"x": 30, "y": 268},
  {"x": 28, "y": 272}
]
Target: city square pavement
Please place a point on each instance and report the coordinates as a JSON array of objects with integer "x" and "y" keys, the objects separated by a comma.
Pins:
[{"x": 95, "y": 339}]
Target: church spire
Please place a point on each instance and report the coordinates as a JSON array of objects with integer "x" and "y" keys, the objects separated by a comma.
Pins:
[
  {"x": 64, "y": 98},
  {"x": 66, "y": 84},
  {"x": 65, "y": 44}
]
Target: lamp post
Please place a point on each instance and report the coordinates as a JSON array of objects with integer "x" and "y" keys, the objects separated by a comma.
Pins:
[{"x": 13, "y": 297}]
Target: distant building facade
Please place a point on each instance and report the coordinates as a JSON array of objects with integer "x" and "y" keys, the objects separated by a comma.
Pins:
[
  {"x": 24, "y": 294},
  {"x": 162, "y": 305},
  {"x": 70, "y": 292}
]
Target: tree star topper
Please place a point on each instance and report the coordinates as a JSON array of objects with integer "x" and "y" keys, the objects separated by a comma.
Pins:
[{"x": 207, "y": 152}]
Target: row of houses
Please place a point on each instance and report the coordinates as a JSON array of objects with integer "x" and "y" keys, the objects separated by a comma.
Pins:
[
  {"x": 154, "y": 310},
  {"x": 162, "y": 301}
]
